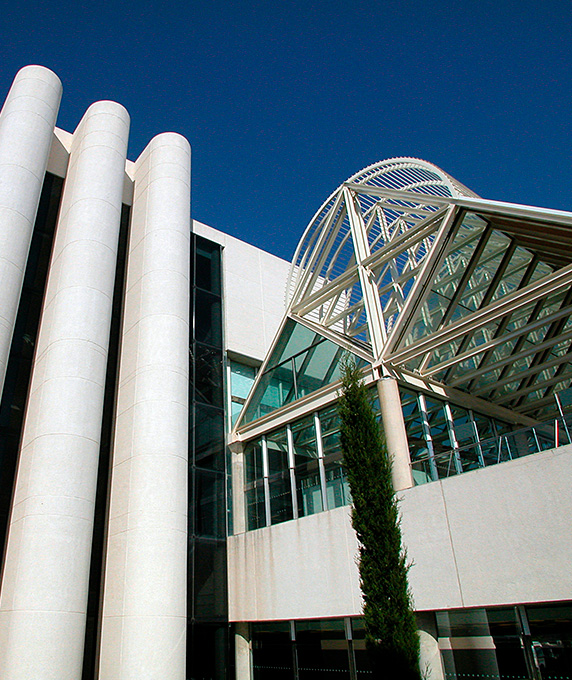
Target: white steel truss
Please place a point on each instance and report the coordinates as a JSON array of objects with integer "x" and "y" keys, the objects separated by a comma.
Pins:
[{"x": 408, "y": 263}]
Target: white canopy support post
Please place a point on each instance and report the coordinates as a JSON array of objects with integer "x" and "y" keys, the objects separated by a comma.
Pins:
[{"x": 395, "y": 434}]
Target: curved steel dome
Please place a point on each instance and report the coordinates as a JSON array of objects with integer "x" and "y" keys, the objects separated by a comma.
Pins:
[{"x": 330, "y": 228}]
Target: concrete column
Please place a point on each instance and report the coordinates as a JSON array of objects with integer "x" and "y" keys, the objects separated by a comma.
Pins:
[
  {"x": 27, "y": 124},
  {"x": 243, "y": 651},
  {"x": 45, "y": 581},
  {"x": 238, "y": 499},
  {"x": 430, "y": 661},
  {"x": 144, "y": 607},
  {"x": 395, "y": 434}
]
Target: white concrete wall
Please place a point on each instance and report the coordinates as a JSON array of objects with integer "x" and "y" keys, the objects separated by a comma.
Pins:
[
  {"x": 27, "y": 123},
  {"x": 45, "y": 581},
  {"x": 254, "y": 289},
  {"x": 144, "y": 606},
  {"x": 490, "y": 537}
]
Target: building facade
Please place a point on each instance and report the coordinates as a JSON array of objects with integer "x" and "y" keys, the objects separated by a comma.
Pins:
[{"x": 173, "y": 503}]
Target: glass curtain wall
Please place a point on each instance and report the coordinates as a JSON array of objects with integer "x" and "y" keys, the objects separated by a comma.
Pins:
[
  {"x": 297, "y": 470},
  {"x": 506, "y": 643},
  {"x": 509, "y": 643},
  {"x": 310, "y": 650},
  {"x": 446, "y": 439},
  {"x": 207, "y": 607}
]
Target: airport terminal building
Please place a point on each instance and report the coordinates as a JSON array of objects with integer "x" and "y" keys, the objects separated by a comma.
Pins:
[{"x": 173, "y": 502}]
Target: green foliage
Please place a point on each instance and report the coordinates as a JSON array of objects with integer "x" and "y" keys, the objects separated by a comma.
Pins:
[{"x": 391, "y": 633}]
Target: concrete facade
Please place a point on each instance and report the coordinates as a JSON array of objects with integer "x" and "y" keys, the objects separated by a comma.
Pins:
[{"x": 508, "y": 520}]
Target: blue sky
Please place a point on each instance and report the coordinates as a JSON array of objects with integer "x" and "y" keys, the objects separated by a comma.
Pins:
[{"x": 282, "y": 101}]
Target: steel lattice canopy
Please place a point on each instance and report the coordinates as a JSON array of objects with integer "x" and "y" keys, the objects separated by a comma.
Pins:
[{"x": 405, "y": 265}]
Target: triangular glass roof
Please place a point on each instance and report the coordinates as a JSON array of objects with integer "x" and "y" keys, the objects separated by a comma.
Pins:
[{"x": 301, "y": 362}]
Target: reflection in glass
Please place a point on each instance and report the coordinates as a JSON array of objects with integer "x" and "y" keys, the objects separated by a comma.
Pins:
[
  {"x": 209, "y": 595},
  {"x": 255, "y": 508},
  {"x": 208, "y": 375},
  {"x": 208, "y": 437},
  {"x": 272, "y": 651},
  {"x": 253, "y": 469},
  {"x": 277, "y": 447},
  {"x": 280, "y": 492},
  {"x": 241, "y": 380},
  {"x": 308, "y": 488},
  {"x": 209, "y": 504},
  {"x": 208, "y": 320},
  {"x": 302, "y": 362},
  {"x": 337, "y": 486},
  {"x": 322, "y": 649},
  {"x": 207, "y": 265}
]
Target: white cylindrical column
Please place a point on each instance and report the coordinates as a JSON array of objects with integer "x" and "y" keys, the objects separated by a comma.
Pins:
[
  {"x": 395, "y": 434},
  {"x": 243, "y": 651},
  {"x": 45, "y": 582},
  {"x": 144, "y": 607},
  {"x": 27, "y": 124},
  {"x": 430, "y": 662}
]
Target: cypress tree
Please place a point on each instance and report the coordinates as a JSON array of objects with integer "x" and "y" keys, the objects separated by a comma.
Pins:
[{"x": 391, "y": 634}]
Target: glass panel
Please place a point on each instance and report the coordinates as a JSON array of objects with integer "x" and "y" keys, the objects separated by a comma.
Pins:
[
  {"x": 364, "y": 669},
  {"x": 253, "y": 461},
  {"x": 207, "y": 267},
  {"x": 209, "y": 579},
  {"x": 208, "y": 375},
  {"x": 302, "y": 362},
  {"x": 551, "y": 631},
  {"x": 208, "y": 322},
  {"x": 448, "y": 278},
  {"x": 317, "y": 367},
  {"x": 280, "y": 491},
  {"x": 505, "y": 632},
  {"x": 337, "y": 487},
  {"x": 514, "y": 273},
  {"x": 208, "y": 650},
  {"x": 295, "y": 338},
  {"x": 330, "y": 426},
  {"x": 322, "y": 649},
  {"x": 272, "y": 651},
  {"x": 277, "y": 447},
  {"x": 466, "y": 437},
  {"x": 209, "y": 504},
  {"x": 241, "y": 379},
  {"x": 209, "y": 437},
  {"x": 413, "y": 426},
  {"x": 304, "y": 438},
  {"x": 255, "y": 510},
  {"x": 235, "y": 409},
  {"x": 565, "y": 397},
  {"x": 484, "y": 272},
  {"x": 308, "y": 488},
  {"x": 276, "y": 388},
  {"x": 473, "y": 660},
  {"x": 438, "y": 426}
]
